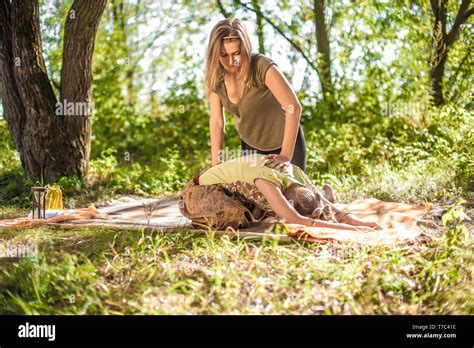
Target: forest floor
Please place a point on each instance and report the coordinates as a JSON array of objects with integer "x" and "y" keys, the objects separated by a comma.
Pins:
[{"x": 103, "y": 271}]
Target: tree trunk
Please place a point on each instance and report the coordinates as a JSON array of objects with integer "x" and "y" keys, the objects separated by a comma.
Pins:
[
  {"x": 50, "y": 143},
  {"x": 76, "y": 80},
  {"x": 28, "y": 98},
  {"x": 259, "y": 26},
  {"x": 324, "y": 53},
  {"x": 436, "y": 75},
  {"x": 438, "y": 60},
  {"x": 443, "y": 41}
]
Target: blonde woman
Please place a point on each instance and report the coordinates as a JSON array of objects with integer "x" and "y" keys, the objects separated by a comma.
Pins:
[{"x": 251, "y": 87}]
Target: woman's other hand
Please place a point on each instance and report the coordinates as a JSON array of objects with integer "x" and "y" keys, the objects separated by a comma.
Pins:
[
  {"x": 371, "y": 225},
  {"x": 375, "y": 226},
  {"x": 352, "y": 220},
  {"x": 277, "y": 162}
]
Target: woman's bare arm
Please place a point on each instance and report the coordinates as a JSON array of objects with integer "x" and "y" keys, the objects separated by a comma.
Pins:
[
  {"x": 282, "y": 91},
  {"x": 216, "y": 126},
  {"x": 284, "y": 210}
]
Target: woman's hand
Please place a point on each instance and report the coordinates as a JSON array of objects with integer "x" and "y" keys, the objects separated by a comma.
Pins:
[
  {"x": 278, "y": 162},
  {"x": 333, "y": 225},
  {"x": 374, "y": 225},
  {"x": 352, "y": 220}
]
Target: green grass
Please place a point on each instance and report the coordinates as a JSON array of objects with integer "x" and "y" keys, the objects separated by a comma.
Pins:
[
  {"x": 101, "y": 271},
  {"x": 429, "y": 180}
]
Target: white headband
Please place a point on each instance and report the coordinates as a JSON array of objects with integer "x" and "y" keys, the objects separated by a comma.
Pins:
[{"x": 231, "y": 37}]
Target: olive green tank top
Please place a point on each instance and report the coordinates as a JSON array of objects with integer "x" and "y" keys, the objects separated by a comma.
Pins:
[
  {"x": 250, "y": 168},
  {"x": 259, "y": 117}
]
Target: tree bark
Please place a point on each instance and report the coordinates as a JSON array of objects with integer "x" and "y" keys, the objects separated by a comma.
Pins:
[
  {"x": 27, "y": 95},
  {"x": 443, "y": 42},
  {"x": 76, "y": 80},
  {"x": 50, "y": 144},
  {"x": 324, "y": 53}
]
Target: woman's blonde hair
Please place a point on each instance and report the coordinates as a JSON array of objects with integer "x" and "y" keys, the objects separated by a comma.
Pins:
[{"x": 234, "y": 28}]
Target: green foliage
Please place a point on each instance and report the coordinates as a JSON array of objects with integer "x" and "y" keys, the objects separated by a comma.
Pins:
[
  {"x": 15, "y": 188},
  {"x": 397, "y": 139},
  {"x": 169, "y": 174},
  {"x": 453, "y": 219},
  {"x": 70, "y": 184},
  {"x": 8, "y": 156}
]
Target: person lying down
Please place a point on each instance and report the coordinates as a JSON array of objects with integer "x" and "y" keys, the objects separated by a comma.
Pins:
[{"x": 290, "y": 193}]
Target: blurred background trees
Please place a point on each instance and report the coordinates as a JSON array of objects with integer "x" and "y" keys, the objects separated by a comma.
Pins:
[{"x": 379, "y": 82}]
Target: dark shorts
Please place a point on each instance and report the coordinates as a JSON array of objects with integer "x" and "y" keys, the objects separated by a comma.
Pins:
[{"x": 299, "y": 154}]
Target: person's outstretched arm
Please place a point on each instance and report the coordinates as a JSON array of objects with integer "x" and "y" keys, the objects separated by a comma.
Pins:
[
  {"x": 285, "y": 211},
  {"x": 216, "y": 126},
  {"x": 348, "y": 218},
  {"x": 285, "y": 95}
]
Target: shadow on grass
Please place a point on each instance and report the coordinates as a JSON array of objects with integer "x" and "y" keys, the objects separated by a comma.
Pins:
[{"x": 91, "y": 242}]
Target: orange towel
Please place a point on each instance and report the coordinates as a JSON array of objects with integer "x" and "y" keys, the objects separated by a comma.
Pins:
[
  {"x": 399, "y": 220},
  {"x": 72, "y": 214}
]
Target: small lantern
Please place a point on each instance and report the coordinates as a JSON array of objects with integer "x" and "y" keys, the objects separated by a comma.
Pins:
[{"x": 39, "y": 202}]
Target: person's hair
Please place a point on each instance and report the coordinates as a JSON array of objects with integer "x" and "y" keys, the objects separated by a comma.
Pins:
[
  {"x": 214, "y": 70},
  {"x": 304, "y": 199}
]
